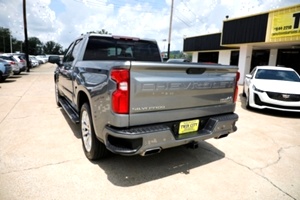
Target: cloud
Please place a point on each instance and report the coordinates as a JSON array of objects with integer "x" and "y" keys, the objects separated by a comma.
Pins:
[{"x": 64, "y": 20}]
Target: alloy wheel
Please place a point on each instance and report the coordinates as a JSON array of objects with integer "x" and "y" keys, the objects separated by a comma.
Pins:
[{"x": 86, "y": 131}]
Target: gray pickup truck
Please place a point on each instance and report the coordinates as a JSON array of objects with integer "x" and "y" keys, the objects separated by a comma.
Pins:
[{"x": 129, "y": 102}]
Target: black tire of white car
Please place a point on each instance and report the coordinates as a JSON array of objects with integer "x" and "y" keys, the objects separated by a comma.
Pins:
[
  {"x": 57, "y": 95},
  {"x": 93, "y": 148},
  {"x": 1, "y": 78},
  {"x": 247, "y": 101},
  {"x": 244, "y": 94}
]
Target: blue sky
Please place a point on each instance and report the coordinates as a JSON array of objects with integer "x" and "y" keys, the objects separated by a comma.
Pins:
[
  {"x": 57, "y": 6},
  {"x": 62, "y": 21}
]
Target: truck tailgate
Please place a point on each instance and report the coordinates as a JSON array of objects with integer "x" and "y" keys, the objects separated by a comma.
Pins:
[{"x": 179, "y": 88}]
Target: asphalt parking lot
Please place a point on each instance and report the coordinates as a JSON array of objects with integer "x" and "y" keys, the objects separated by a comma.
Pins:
[{"x": 41, "y": 156}]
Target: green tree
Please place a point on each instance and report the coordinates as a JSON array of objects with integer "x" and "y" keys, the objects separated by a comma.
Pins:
[
  {"x": 51, "y": 47},
  {"x": 5, "y": 40},
  {"x": 34, "y": 46},
  {"x": 17, "y": 45},
  {"x": 102, "y": 31}
]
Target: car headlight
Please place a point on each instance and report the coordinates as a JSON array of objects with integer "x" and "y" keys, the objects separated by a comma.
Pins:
[{"x": 256, "y": 89}]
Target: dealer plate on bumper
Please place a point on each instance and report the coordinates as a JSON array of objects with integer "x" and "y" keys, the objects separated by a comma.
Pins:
[{"x": 188, "y": 126}]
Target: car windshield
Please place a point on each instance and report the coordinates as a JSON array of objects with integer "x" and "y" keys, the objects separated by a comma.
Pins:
[{"x": 272, "y": 74}]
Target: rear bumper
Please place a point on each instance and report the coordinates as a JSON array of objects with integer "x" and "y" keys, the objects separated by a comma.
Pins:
[
  {"x": 138, "y": 140},
  {"x": 23, "y": 68},
  {"x": 7, "y": 73},
  {"x": 16, "y": 69}
]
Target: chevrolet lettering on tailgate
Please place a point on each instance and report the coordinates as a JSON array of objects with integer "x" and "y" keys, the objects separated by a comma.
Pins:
[{"x": 186, "y": 85}]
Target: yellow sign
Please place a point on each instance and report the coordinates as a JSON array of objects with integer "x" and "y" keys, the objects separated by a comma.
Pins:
[{"x": 286, "y": 23}]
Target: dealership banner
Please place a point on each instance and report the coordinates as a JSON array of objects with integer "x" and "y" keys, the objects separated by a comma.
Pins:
[{"x": 286, "y": 23}]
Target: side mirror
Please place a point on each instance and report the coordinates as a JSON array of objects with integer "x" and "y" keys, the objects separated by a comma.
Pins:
[
  {"x": 248, "y": 76},
  {"x": 54, "y": 60}
]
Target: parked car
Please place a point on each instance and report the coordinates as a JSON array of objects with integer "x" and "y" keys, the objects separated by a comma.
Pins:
[
  {"x": 15, "y": 67},
  {"x": 177, "y": 60},
  {"x": 272, "y": 87},
  {"x": 34, "y": 62},
  {"x": 42, "y": 58},
  {"x": 5, "y": 70},
  {"x": 21, "y": 62}
]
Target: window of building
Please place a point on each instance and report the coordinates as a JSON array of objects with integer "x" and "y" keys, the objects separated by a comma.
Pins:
[
  {"x": 259, "y": 58},
  {"x": 289, "y": 58},
  {"x": 234, "y": 58},
  {"x": 208, "y": 57}
]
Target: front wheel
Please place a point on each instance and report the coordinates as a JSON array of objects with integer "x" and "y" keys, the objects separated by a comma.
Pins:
[
  {"x": 244, "y": 94},
  {"x": 93, "y": 148},
  {"x": 247, "y": 101},
  {"x": 1, "y": 77}
]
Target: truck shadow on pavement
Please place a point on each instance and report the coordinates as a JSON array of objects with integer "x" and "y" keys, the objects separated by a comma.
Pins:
[
  {"x": 127, "y": 171},
  {"x": 274, "y": 113},
  {"x": 74, "y": 127}
]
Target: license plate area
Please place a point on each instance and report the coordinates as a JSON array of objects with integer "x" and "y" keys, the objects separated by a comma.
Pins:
[{"x": 188, "y": 126}]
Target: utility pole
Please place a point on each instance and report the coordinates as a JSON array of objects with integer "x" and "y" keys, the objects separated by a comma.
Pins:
[
  {"x": 26, "y": 37},
  {"x": 170, "y": 29},
  {"x": 10, "y": 42},
  {"x": 3, "y": 44}
]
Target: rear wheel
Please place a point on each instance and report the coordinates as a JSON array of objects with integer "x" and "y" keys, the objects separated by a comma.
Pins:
[{"x": 93, "y": 148}]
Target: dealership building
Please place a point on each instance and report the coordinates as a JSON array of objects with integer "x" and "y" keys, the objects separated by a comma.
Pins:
[{"x": 270, "y": 38}]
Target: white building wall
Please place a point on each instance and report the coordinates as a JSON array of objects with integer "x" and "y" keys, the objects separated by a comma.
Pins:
[
  {"x": 224, "y": 57},
  {"x": 195, "y": 57},
  {"x": 244, "y": 61},
  {"x": 273, "y": 57}
]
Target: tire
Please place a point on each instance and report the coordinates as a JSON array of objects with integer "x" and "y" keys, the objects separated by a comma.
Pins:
[
  {"x": 247, "y": 101},
  {"x": 244, "y": 94},
  {"x": 93, "y": 148},
  {"x": 57, "y": 95}
]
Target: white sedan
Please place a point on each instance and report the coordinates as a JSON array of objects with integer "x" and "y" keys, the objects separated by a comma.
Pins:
[{"x": 271, "y": 87}]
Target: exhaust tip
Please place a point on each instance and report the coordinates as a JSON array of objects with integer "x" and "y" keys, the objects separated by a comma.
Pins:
[
  {"x": 221, "y": 136},
  {"x": 149, "y": 152}
]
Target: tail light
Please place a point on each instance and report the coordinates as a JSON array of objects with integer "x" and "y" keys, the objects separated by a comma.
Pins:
[
  {"x": 12, "y": 63},
  {"x": 236, "y": 90},
  {"x": 120, "y": 97}
]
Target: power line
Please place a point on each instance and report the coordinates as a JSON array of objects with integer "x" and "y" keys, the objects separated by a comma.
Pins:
[
  {"x": 119, "y": 5},
  {"x": 151, "y": 7},
  {"x": 184, "y": 3}
]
